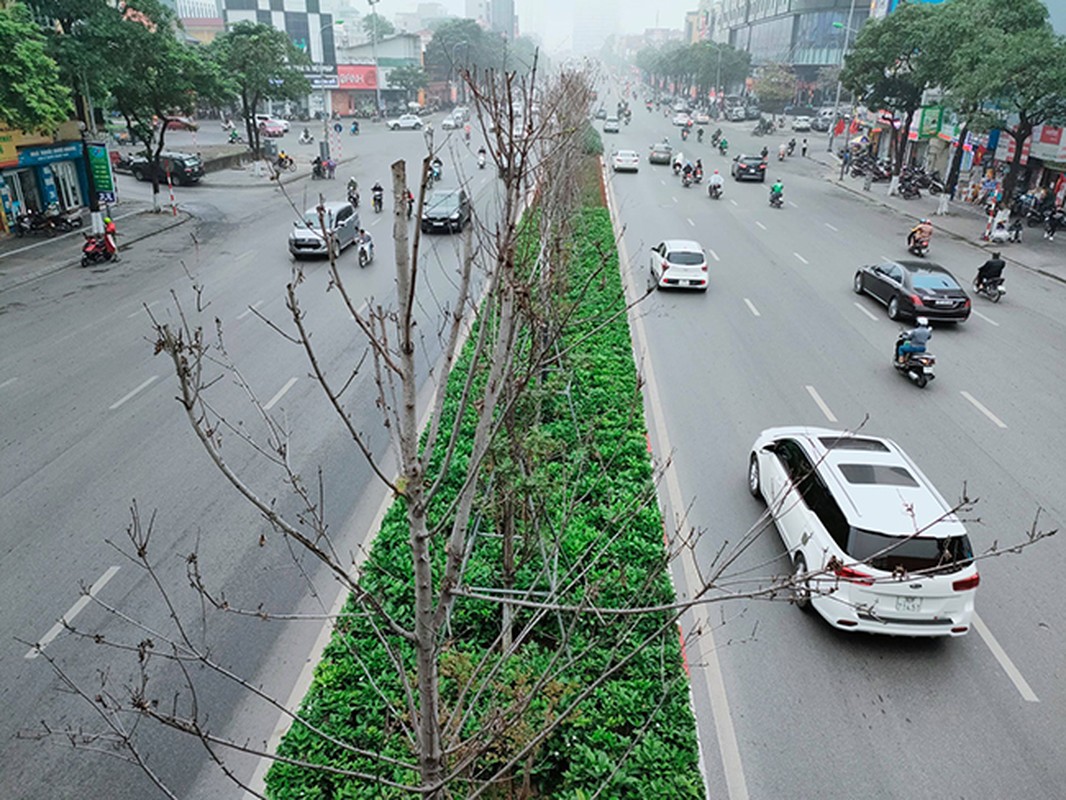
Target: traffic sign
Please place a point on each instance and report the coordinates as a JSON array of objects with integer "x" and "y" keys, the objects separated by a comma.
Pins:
[{"x": 337, "y": 127}]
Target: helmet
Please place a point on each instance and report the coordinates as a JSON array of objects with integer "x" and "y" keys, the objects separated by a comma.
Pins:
[
  {"x": 924, "y": 221},
  {"x": 716, "y": 172},
  {"x": 923, "y": 322},
  {"x": 107, "y": 220}
]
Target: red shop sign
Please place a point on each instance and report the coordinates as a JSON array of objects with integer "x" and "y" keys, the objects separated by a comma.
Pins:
[{"x": 356, "y": 76}]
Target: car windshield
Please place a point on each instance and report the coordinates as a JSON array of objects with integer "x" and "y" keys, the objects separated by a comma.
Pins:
[
  {"x": 442, "y": 201},
  {"x": 684, "y": 257},
  {"x": 889, "y": 552},
  {"x": 311, "y": 219},
  {"x": 933, "y": 281}
]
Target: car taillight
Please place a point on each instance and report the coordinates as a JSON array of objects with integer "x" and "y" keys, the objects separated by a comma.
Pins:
[
  {"x": 966, "y": 584},
  {"x": 704, "y": 268},
  {"x": 762, "y": 166},
  {"x": 916, "y": 300},
  {"x": 854, "y": 576},
  {"x": 967, "y": 303}
]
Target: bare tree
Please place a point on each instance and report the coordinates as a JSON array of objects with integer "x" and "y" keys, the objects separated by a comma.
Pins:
[{"x": 510, "y": 341}]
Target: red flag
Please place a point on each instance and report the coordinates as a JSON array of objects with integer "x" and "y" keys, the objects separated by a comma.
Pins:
[
  {"x": 854, "y": 126},
  {"x": 839, "y": 128}
]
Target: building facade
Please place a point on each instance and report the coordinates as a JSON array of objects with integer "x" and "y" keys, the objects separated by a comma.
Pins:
[
  {"x": 502, "y": 19},
  {"x": 309, "y": 28}
]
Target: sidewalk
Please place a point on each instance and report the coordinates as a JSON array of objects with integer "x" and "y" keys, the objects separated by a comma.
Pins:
[
  {"x": 259, "y": 174},
  {"x": 964, "y": 222},
  {"x": 30, "y": 258}
]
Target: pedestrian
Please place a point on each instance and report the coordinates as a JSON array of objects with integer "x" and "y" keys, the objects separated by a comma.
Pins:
[
  {"x": 803, "y": 148},
  {"x": 1015, "y": 230},
  {"x": 1054, "y": 220},
  {"x": 331, "y": 168}
]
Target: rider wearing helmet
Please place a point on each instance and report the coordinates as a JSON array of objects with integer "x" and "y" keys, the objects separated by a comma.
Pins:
[
  {"x": 778, "y": 189},
  {"x": 914, "y": 340},
  {"x": 922, "y": 232}
]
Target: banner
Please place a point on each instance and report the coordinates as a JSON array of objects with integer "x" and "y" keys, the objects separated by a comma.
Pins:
[{"x": 356, "y": 76}]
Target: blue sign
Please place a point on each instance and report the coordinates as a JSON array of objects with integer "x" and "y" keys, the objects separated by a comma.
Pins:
[
  {"x": 32, "y": 156},
  {"x": 338, "y": 127},
  {"x": 105, "y": 197}
]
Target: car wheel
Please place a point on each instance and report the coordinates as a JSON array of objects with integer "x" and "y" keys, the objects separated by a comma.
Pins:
[
  {"x": 753, "y": 476},
  {"x": 801, "y": 587},
  {"x": 857, "y": 285},
  {"x": 418, "y": 126},
  {"x": 336, "y": 248},
  {"x": 138, "y": 175},
  {"x": 394, "y": 127},
  {"x": 893, "y": 308}
]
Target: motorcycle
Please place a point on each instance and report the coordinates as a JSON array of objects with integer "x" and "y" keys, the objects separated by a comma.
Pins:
[
  {"x": 684, "y": 134},
  {"x": 353, "y": 198},
  {"x": 714, "y": 191},
  {"x": 776, "y": 200},
  {"x": 991, "y": 288},
  {"x": 791, "y": 147},
  {"x": 916, "y": 366},
  {"x": 94, "y": 250},
  {"x": 918, "y": 247},
  {"x": 716, "y": 136},
  {"x": 686, "y": 180},
  {"x": 723, "y": 148},
  {"x": 354, "y": 130},
  {"x": 32, "y": 222},
  {"x": 697, "y": 175},
  {"x": 699, "y": 135},
  {"x": 366, "y": 253},
  {"x": 379, "y": 201},
  {"x": 318, "y": 172},
  {"x": 235, "y": 137},
  {"x": 481, "y": 161}
]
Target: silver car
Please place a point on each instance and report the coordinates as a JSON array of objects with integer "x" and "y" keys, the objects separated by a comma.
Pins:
[{"x": 341, "y": 223}]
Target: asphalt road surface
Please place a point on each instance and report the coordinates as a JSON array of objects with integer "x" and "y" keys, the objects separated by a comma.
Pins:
[
  {"x": 789, "y": 707},
  {"x": 91, "y": 424}
]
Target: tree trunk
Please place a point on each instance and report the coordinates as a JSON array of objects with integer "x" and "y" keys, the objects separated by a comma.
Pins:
[
  {"x": 951, "y": 184},
  {"x": 1022, "y": 132}
]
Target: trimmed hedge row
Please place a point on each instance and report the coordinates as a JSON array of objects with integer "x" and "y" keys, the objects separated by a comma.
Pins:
[{"x": 637, "y": 730}]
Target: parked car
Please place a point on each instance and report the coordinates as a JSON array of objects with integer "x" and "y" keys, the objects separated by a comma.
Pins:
[
  {"x": 752, "y": 112},
  {"x": 341, "y": 222},
  {"x": 661, "y": 153},
  {"x": 446, "y": 210},
  {"x": 601, "y": 113},
  {"x": 821, "y": 124},
  {"x": 748, "y": 168},
  {"x": 462, "y": 113},
  {"x": 703, "y": 118},
  {"x": 450, "y": 124},
  {"x": 872, "y": 546},
  {"x": 273, "y": 130},
  {"x": 801, "y": 123},
  {"x": 610, "y": 125},
  {"x": 183, "y": 168},
  {"x": 182, "y": 124},
  {"x": 736, "y": 114},
  {"x": 266, "y": 119},
  {"x": 625, "y": 161},
  {"x": 405, "y": 122},
  {"x": 914, "y": 288},
  {"x": 679, "y": 263},
  {"x": 682, "y": 120}
]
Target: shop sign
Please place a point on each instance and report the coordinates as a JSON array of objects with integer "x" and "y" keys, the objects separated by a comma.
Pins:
[
  {"x": 357, "y": 76},
  {"x": 32, "y": 156},
  {"x": 100, "y": 164},
  {"x": 323, "y": 81}
]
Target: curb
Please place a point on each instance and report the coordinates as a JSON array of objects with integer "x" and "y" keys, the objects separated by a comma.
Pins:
[
  {"x": 944, "y": 231},
  {"x": 58, "y": 266},
  {"x": 269, "y": 184}
]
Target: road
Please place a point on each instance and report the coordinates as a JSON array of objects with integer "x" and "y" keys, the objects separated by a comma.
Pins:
[
  {"x": 789, "y": 707},
  {"x": 91, "y": 425}
]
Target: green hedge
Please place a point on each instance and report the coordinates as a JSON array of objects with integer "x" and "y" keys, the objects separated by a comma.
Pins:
[{"x": 598, "y": 422}]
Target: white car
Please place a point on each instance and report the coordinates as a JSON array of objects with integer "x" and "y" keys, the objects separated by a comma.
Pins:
[
  {"x": 703, "y": 118},
  {"x": 801, "y": 123},
  {"x": 450, "y": 124},
  {"x": 625, "y": 161},
  {"x": 681, "y": 120},
  {"x": 267, "y": 120},
  {"x": 341, "y": 223},
  {"x": 873, "y": 546},
  {"x": 610, "y": 125},
  {"x": 406, "y": 122},
  {"x": 679, "y": 263}
]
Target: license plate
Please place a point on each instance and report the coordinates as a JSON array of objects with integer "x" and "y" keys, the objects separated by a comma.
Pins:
[
  {"x": 911, "y": 605},
  {"x": 945, "y": 302}
]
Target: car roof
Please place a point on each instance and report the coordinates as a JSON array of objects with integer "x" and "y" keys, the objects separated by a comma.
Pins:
[
  {"x": 331, "y": 206},
  {"x": 878, "y": 507},
  {"x": 684, "y": 245},
  {"x": 920, "y": 266}
]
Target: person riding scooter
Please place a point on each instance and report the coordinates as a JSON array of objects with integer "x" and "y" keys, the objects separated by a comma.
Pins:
[
  {"x": 353, "y": 192},
  {"x": 377, "y": 192},
  {"x": 914, "y": 340},
  {"x": 990, "y": 271},
  {"x": 481, "y": 155},
  {"x": 777, "y": 193},
  {"x": 723, "y": 146},
  {"x": 306, "y": 137},
  {"x": 699, "y": 134},
  {"x": 920, "y": 235},
  {"x": 714, "y": 185}
]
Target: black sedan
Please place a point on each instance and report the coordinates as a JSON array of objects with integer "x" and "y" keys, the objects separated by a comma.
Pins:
[
  {"x": 749, "y": 168},
  {"x": 914, "y": 289},
  {"x": 446, "y": 210}
]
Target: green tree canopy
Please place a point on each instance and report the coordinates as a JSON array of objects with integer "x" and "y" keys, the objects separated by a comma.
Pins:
[
  {"x": 694, "y": 67},
  {"x": 261, "y": 62},
  {"x": 375, "y": 25},
  {"x": 32, "y": 95},
  {"x": 775, "y": 84},
  {"x": 409, "y": 77}
]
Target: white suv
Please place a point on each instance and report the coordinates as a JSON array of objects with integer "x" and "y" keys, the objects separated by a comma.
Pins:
[
  {"x": 266, "y": 119},
  {"x": 873, "y": 546}
]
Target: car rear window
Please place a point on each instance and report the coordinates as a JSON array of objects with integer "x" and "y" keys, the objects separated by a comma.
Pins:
[
  {"x": 684, "y": 257},
  {"x": 879, "y": 474},
  {"x": 753, "y": 161},
  {"x": 933, "y": 280},
  {"x": 911, "y": 554},
  {"x": 852, "y": 443}
]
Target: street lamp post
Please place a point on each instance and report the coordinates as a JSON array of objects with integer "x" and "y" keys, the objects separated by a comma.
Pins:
[
  {"x": 455, "y": 47},
  {"x": 836, "y": 103},
  {"x": 374, "y": 51}
]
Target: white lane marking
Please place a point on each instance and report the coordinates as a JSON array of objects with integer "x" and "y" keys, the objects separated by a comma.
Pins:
[
  {"x": 249, "y": 310},
  {"x": 145, "y": 307},
  {"x": 1004, "y": 660},
  {"x": 674, "y": 199},
  {"x": 704, "y": 643},
  {"x": 760, "y": 224},
  {"x": 281, "y": 393},
  {"x": 986, "y": 319},
  {"x": 821, "y": 403},
  {"x": 792, "y": 204},
  {"x": 140, "y": 388},
  {"x": 245, "y": 255},
  {"x": 801, "y": 258},
  {"x": 713, "y": 254},
  {"x": 832, "y": 227},
  {"x": 885, "y": 258},
  {"x": 865, "y": 311},
  {"x": 662, "y": 181},
  {"x": 8, "y": 382},
  {"x": 376, "y": 220},
  {"x": 984, "y": 410},
  {"x": 75, "y": 609},
  {"x": 731, "y": 200},
  {"x": 690, "y": 222},
  {"x": 752, "y": 308}
]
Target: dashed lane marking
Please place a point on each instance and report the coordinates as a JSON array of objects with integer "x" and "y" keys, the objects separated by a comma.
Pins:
[
  {"x": 865, "y": 311},
  {"x": 983, "y": 409},
  {"x": 801, "y": 258},
  {"x": 832, "y": 228},
  {"x": 752, "y": 308},
  {"x": 134, "y": 393},
  {"x": 989, "y": 320},
  {"x": 1001, "y": 656},
  {"x": 760, "y": 224},
  {"x": 731, "y": 200},
  {"x": 281, "y": 393},
  {"x": 8, "y": 382},
  {"x": 144, "y": 307},
  {"x": 250, "y": 309},
  {"x": 75, "y": 609},
  {"x": 829, "y": 415},
  {"x": 690, "y": 222}
]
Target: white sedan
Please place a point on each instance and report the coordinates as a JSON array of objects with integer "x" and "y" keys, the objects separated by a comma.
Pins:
[
  {"x": 872, "y": 545},
  {"x": 679, "y": 263},
  {"x": 625, "y": 161},
  {"x": 406, "y": 122},
  {"x": 681, "y": 120},
  {"x": 703, "y": 118},
  {"x": 449, "y": 124},
  {"x": 801, "y": 124}
]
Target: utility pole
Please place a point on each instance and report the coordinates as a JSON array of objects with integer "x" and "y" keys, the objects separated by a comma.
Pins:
[
  {"x": 843, "y": 52},
  {"x": 374, "y": 50}
]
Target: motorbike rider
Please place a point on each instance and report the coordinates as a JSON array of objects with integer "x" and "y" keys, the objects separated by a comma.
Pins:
[
  {"x": 283, "y": 159},
  {"x": 922, "y": 232},
  {"x": 697, "y": 171},
  {"x": 715, "y": 183},
  {"x": 991, "y": 270},
  {"x": 716, "y": 135},
  {"x": 699, "y": 134},
  {"x": 355, "y": 127},
  {"x": 723, "y": 145},
  {"x": 364, "y": 239},
  {"x": 110, "y": 240},
  {"x": 781, "y": 151},
  {"x": 792, "y": 145},
  {"x": 353, "y": 191},
  {"x": 765, "y": 152},
  {"x": 481, "y": 155},
  {"x": 317, "y": 167},
  {"x": 378, "y": 192},
  {"x": 777, "y": 191},
  {"x": 914, "y": 340},
  {"x": 306, "y": 136},
  {"x": 437, "y": 166},
  {"x": 409, "y": 198}
]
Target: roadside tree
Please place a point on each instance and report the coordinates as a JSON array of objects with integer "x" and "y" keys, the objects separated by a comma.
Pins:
[
  {"x": 776, "y": 86},
  {"x": 377, "y": 27},
  {"x": 32, "y": 96},
  {"x": 410, "y": 77}
]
